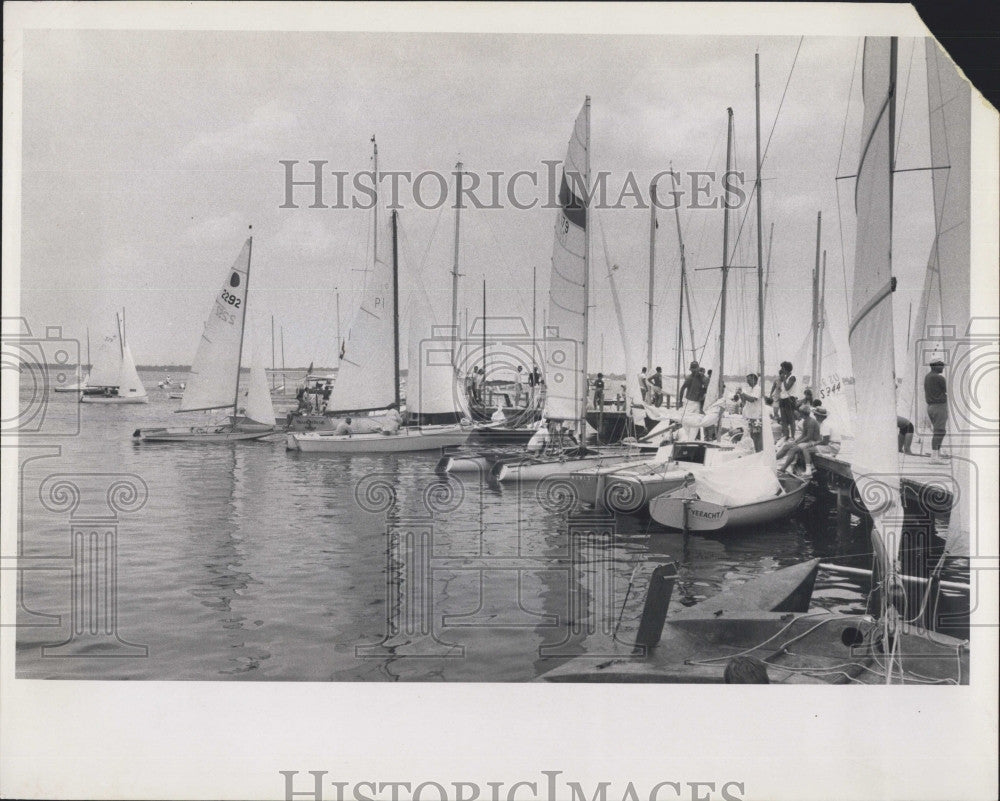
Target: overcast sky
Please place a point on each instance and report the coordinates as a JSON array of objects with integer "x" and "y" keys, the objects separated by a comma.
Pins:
[{"x": 147, "y": 154}]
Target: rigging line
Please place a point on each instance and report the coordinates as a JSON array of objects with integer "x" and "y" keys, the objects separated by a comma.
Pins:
[
  {"x": 840, "y": 216},
  {"x": 847, "y": 107}
]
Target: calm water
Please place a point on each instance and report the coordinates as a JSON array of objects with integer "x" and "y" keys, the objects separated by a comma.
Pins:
[{"x": 249, "y": 562}]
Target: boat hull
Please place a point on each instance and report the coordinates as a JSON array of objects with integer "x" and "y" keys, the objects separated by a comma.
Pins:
[
  {"x": 202, "y": 434},
  {"x": 627, "y": 492},
  {"x": 113, "y": 401},
  {"x": 427, "y": 438},
  {"x": 526, "y": 469},
  {"x": 670, "y": 511}
]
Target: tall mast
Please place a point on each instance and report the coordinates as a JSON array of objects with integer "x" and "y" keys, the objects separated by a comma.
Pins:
[
  {"x": 454, "y": 269},
  {"x": 121, "y": 335},
  {"x": 395, "y": 300},
  {"x": 586, "y": 267},
  {"x": 680, "y": 295},
  {"x": 243, "y": 325},
  {"x": 725, "y": 255},
  {"x": 89, "y": 363},
  {"x": 815, "y": 304},
  {"x": 652, "y": 279},
  {"x": 821, "y": 320},
  {"x": 340, "y": 344},
  {"x": 375, "y": 207},
  {"x": 534, "y": 310},
  {"x": 272, "y": 352},
  {"x": 484, "y": 333},
  {"x": 282, "y": 331},
  {"x": 760, "y": 253}
]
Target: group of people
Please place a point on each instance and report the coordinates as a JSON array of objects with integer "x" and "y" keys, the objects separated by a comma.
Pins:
[{"x": 533, "y": 379}]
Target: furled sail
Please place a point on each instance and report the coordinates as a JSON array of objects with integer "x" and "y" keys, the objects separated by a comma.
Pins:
[
  {"x": 215, "y": 372},
  {"x": 875, "y": 466},
  {"x": 366, "y": 379},
  {"x": 565, "y": 335}
]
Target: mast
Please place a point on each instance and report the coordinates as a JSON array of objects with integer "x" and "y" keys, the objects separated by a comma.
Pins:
[
  {"x": 282, "y": 354},
  {"x": 89, "y": 363},
  {"x": 760, "y": 257},
  {"x": 586, "y": 267},
  {"x": 454, "y": 270},
  {"x": 821, "y": 320},
  {"x": 725, "y": 256},
  {"x": 121, "y": 334},
  {"x": 340, "y": 344},
  {"x": 243, "y": 325},
  {"x": 484, "y": 333},
  {"x": 815, "y": 304},
  {"x": 534, "y": 311},
  {"x": 375, "y": 207},
  {"x": 652, "y": 281},
  {"x": 272, "y": 353},
  {"x": 395, "y": 299},
  {"x": 680, "y": 295}
]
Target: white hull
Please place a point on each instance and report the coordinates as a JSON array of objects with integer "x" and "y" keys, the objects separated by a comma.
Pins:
[
  {"x": 539, "y": 469},
  {"x": 112, "y": 400},
  {"x": 669, "y": 510},
  {"x": 628, "y": 491},
  {"x": 203, "y": 434},
  {"x": 426, "y": 438}
]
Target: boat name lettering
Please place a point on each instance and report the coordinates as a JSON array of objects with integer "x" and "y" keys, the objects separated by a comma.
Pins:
[{"x": 706, "y": 515}]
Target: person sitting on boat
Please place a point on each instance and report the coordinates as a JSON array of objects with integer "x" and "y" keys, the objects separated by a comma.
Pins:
[
  {"x": 809, "y": 437},
  {"x": 303, "y": 399},
  {"x": 904, "y": 440},
  {"x": 539, "y": 439},
  {"x": 344, "y": 428},
  {"x": 392, "y": 420},
  {"x": 829, "y": 436}
]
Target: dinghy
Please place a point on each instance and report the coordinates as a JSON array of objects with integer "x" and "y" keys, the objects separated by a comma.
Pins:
[
  {"x": 113, "y": 378},
  {"x": 369, "y": 382},
  {"x": 215, "y": 373}
]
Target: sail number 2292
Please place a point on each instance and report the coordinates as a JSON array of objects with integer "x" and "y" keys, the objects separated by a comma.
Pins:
[{"x": 232, "y": 300}]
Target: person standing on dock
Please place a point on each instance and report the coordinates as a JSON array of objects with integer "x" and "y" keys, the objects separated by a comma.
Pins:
[
  {"x": 518, "y": 385},
  {"x": 599, "y": 392},
  {"x": 786, "y": 400},
  {"x": 643, "y": 384},
  {"x": 904, "y": 441},
  {"x": 655, "y": 383},
  {"x": 936, "y": 396}
]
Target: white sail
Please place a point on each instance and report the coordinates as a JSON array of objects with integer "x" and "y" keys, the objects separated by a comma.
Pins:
[
  {"x": 430, "y": 378},
  {"x": 565, "y": 335},
  {"x": 107, "y": 367},
  {"x": 366, "y": 379},
  {"x": 215, "y": 372},
  {"x": 875, "y": 464},
  {"x": 129, "y": 383},
  {"x": 256, "y": 398},
  {"x": 950, "y": 107}
]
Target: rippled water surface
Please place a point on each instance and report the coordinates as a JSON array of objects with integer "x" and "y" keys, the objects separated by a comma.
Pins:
[{"x": 246, "y": 561}]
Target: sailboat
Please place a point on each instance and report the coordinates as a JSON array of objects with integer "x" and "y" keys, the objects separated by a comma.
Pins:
[
  {"x": 214, "y": 381},
  {"x": 891, "y": 646},
  {"x": 745, "y": 491},
  {"x": 113, "y": 378},
  {"x": 367, "y": 381},
  {"x": 566, "y": 333}
]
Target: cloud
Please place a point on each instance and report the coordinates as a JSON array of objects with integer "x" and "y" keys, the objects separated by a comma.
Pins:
[{"x": 246, "y": 139}]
